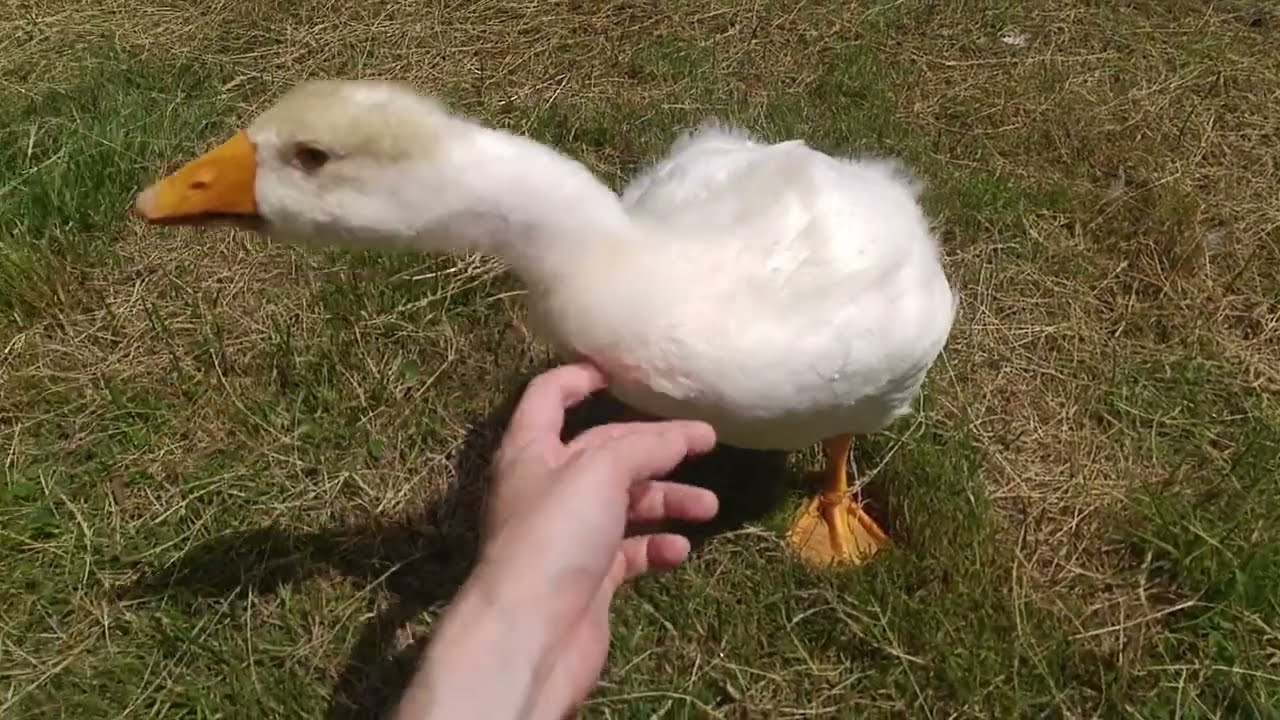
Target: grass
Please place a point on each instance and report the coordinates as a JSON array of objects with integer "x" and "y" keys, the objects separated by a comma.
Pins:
[{"x": 240, "y": 479}]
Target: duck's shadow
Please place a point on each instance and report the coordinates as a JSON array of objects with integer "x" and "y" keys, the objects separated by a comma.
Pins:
[{"x": 419, "y": 561}]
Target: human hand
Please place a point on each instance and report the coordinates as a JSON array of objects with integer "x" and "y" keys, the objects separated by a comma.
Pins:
[
  {"x": 528, "y": 634},
  {"x": 558, "y": 513}
]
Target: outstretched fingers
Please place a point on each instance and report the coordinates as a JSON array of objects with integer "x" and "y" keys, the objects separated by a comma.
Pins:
[
  {"x": 612, "y": 432},
  {"x": 650, "y": 553},
  {"x": 649, "y": 453},
  {"x": 657, "y": 501}
]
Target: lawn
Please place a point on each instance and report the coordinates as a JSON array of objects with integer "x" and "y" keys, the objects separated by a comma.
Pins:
[{"x": 239, "y": 479}]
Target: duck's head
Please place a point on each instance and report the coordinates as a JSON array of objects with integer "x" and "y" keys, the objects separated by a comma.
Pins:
[
  {"x": 345, "y": 161},
  {"x": 372, "y": 164}
]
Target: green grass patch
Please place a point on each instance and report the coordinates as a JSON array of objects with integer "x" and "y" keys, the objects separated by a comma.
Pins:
[
  {"x": 70, "y": 161},
  {"x": 939, "y": 624},
  {"x": 1205, "y": 534}
]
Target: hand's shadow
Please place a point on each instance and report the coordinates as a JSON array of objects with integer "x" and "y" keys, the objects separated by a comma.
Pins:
[
  {"x": 424, "y": 557},
  {"x": 749, "y": 483}
]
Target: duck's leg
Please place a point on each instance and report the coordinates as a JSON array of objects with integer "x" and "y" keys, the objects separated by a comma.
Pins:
[{"x": 832, "y": 527}]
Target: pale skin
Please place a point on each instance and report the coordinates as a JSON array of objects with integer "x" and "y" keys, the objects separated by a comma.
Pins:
[{"x": 528, "y": 633}]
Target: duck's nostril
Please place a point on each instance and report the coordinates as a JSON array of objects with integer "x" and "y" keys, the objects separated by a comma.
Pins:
[{"x": 200, "y": 185}]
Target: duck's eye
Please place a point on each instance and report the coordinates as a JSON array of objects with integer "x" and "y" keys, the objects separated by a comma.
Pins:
[{"x": 310, "y": 158}]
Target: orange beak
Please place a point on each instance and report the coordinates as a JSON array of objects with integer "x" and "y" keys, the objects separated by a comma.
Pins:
[{"x": 215, "y": 187}]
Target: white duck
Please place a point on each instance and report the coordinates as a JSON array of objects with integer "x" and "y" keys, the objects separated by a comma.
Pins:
[{"x": 785, "y": 296}]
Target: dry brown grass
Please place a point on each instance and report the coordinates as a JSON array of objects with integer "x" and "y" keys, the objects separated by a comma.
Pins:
[
  {"x": 1169, "y": 239},
  {"x": 1126, "y": 211}
]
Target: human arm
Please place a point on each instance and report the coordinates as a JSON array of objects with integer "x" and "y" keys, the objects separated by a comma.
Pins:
[{"x": 483, "y": 659}]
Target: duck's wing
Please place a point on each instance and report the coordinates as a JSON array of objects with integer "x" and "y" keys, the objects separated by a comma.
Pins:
[
  {"x": 787, "y": 213},
  {"x": 706, "y": 179}
]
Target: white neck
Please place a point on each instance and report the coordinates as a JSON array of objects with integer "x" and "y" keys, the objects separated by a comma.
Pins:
[{"x": 524, "y": 202}]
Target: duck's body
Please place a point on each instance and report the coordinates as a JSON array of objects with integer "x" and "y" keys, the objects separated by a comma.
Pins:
[
  {"x": 783, "y": 295},
  {"x": 778, "y": 293}
]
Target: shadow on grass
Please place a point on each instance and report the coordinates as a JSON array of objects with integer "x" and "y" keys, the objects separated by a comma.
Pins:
[{"x": 420, "y": 560}]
